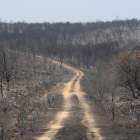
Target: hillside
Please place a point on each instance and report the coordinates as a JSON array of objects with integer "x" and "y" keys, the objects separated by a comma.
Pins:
[{"x": 38, "y": 62}]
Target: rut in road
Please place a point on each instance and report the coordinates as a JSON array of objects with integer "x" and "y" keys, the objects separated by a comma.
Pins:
[{"x": 72, "y": 88}]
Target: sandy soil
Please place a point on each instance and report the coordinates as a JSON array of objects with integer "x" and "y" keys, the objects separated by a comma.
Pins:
[
  {"x": 73, "y": 90},
  {"x": 80, "y": 119}
]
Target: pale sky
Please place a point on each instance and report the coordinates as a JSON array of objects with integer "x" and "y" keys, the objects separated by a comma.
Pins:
[{"x": 68, "y": 10}]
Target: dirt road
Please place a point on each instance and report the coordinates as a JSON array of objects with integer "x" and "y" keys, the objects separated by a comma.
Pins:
[
  {"x": 80, "y": 119},
  {"x": 76, "y": 119}
]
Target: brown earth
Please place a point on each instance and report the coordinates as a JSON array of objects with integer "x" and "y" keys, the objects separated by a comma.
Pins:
[{"x": 80, "y": 119}]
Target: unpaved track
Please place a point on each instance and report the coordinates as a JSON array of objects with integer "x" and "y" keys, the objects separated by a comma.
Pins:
[{"x": 62, "y": 119}]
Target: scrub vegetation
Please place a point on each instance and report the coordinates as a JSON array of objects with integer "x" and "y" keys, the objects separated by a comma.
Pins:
[{"x": 107, "y": 52}]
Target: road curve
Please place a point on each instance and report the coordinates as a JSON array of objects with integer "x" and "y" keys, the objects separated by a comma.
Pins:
[{"x": 72, "y": 88}]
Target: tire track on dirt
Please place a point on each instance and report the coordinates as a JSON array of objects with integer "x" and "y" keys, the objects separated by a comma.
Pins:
[
  {"x": 58, "y": 123},
  {"x": 72, "y": 88}
]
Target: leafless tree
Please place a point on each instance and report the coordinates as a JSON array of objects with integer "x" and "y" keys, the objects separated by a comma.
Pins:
[{"x": 127, "y": 68}]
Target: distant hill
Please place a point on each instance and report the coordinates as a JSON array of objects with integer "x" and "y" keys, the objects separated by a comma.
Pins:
[{"x": 123, "y": 31}]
